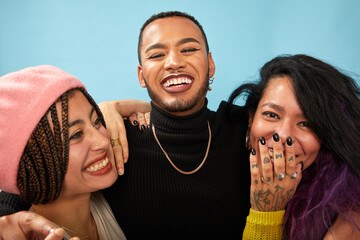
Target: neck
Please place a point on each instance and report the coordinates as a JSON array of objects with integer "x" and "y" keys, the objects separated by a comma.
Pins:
[{"x": 72, "y": 213}]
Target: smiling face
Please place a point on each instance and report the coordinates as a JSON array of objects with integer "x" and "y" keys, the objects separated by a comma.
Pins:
[
  {"x": 175, "y": 65},
  {"x": 91, "y": 164},
  {"x": 279, "y": 111}
]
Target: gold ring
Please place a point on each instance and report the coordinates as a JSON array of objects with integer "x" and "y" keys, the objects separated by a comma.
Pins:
[{"x": 115, "y": 142}]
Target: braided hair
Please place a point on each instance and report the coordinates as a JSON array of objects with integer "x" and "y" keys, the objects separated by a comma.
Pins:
[{"x": 44, "y": 162}]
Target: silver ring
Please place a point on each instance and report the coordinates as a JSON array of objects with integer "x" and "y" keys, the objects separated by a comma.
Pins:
[
  {"x": 294, "y": 175},
  {"x": 263, "y": 180},
  {"x": 280, "y": 176}
]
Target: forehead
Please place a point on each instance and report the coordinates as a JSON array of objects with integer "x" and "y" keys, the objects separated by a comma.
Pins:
[
  {"x": 77, "y": 101},
  {"x": 279, "y": 86},
  {"x": 280, "y": 91},
  {"x": 166, "y": 30}
]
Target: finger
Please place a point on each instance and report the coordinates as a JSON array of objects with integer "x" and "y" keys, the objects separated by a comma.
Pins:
[
  {"x": 147, "y": 119},
  {"x": 299, "y": 175},
  {"x": 124, "y": 145},
  {"x": 118, "y": 152},
  {"x": 278, "y": 157},
  {"x": 142, "y": 122},
  {"x": 266, "y": 165},
  {"x": 133, "y": 119},
  {"x": 32, "y": 222},
  {"x": 56, "y": 234},
  {"x": 290, "y": 157},
  {"x": 254, "y": 169},
  {"x": 10, "y": 229}
]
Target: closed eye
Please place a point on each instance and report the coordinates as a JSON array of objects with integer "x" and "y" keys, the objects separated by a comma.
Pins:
[
  {"x": 158, "y": 55},
  {"x": 188, "y": 50}
]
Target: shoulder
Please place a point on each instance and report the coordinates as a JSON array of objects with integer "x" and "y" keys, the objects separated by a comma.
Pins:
[
  {"x": 344, "y": 228},
  {"x": 231, "y": 113}
]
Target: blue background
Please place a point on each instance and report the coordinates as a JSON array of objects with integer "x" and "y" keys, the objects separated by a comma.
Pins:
[{"x": 97, "y": 40}]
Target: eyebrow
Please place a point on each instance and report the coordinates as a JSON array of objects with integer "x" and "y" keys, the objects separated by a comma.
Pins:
[
  {"x": 80, "y": 120},
  {"x": 186, "y": 40},
  {"x": 274, "y": 106},
  {"x": 280, "y": 108},
  {"x": 163, "y": 46}
]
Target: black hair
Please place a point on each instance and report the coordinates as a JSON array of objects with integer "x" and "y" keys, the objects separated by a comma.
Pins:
[
  {"x": 167, "y": 15},
  {"x": 328, "y": 98},
  {"x": 330, "y": 101}
]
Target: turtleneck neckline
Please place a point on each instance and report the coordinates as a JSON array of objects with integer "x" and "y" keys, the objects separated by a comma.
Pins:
[{"x": 164, "y": 120}]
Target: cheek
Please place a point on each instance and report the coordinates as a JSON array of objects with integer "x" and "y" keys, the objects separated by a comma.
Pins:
[
  {"x": 77, "y": 156},
  {"x": 259, "y": 129},
  {"x": 311, "y": 148}
]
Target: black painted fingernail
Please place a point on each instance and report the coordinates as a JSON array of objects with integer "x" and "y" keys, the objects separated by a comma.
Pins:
[
  {"x": 302, "y": 165},
  {"x": 143, "y": 127},
  {"x": 135, "y": 122},
  {"x": 289, "y": 141},
  {"x": 148, "y": 126},
  {"x": 253, "y": 152},
  {"x": 262, "y": 141},
  {"x": 276, "y": 137}
]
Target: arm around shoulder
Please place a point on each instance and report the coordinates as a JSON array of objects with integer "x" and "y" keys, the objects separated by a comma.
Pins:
[
  {"x": 125, "y": 107},
  {"x": 11, "y": 203}
]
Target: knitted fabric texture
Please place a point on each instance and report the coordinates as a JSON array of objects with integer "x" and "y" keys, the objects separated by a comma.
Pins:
[
  {"x": 25, "y": 96},
  {"x": 263, "y": 225}
]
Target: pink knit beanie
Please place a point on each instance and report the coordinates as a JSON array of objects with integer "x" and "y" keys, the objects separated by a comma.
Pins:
[{"x": 25, "y": 96}]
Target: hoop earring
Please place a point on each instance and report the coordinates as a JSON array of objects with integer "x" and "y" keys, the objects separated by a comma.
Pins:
[
  {"x": 247, "y": 139},
  {"x": 211, "y": 80}
]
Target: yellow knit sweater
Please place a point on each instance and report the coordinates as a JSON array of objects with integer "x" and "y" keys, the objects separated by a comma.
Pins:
[{"x": 263, "y": 225}]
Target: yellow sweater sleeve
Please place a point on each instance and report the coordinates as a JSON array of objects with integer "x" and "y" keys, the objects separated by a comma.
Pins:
[{"x": 263, "y": 225}]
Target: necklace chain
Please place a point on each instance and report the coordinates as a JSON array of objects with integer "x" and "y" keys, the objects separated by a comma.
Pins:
[{"x": 172, "y": 164}]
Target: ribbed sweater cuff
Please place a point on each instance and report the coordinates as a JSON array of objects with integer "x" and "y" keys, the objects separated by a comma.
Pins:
[
  {"x": 272, "y": 218},
  {"x": 264, "y": 225}
]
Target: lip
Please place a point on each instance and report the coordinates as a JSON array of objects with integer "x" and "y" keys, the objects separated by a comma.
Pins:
[
  {"x": 99, "y": 158},
  {"x": 101, "y": 171},
  {"x": 186, "y": 79}
]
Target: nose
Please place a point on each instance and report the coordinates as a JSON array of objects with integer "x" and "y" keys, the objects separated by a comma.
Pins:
[
  {"x": 174, "y": 61},
  {"x": 99, "y": 139},
  {"x": 286, "y": 130}
]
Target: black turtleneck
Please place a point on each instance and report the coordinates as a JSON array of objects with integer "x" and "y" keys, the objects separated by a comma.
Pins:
[{"x": 153, "y": 200}]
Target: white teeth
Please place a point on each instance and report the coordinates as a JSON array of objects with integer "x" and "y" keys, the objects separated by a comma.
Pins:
[
  {"x": 98, "y": 166},
  {"x": 177, "y": 81}
]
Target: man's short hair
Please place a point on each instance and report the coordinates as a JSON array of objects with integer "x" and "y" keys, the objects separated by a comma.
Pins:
[{"x": 166, "y": 15}]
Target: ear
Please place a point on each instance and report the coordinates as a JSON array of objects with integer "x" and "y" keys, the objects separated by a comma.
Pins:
[
  {"x": 211, "y": 65},
  {"x": 141, "y": 76}
]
